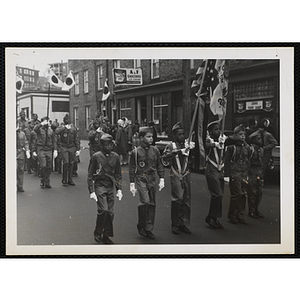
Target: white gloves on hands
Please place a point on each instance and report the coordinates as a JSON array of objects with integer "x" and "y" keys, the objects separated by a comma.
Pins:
[
  {"x": 99, "y": 129},
  {"x": 45, "y": 122},
  {"x": 54, "y": 153},
  {"x": 93, "y": 196},
  {"x": 226, "y": 179},
  {"x": 161, "y": 184},
  {"x": 34, "y": 154},
  {"x": 77, "y": 153},
  {"x": 190, "y": 145},
  {"x": 222, "y": 138},
  {"x": 68, "y": 126},
  {"x": 219, "y": 145},
  {"x": 28, "y": 154},
  {"x": 119, "y": 195},
  {"x": 133, "y": 190}
]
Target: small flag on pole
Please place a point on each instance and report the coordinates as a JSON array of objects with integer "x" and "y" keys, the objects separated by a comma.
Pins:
[
  {"x": 69, "y": 82},
  {"x": 218, "y": 100},
  {"x": 106, "y": 91},
  {"x": 19, "y": 84},
  {"x": 53, "y": 79}
]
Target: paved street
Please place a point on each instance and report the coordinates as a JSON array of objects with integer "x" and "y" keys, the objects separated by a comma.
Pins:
[{"x": 66, "y": 215}]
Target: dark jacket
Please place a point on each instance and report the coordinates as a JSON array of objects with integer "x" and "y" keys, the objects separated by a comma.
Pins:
[
  {"x": 45, "y": 138},
  {"x": 68, "y": 137}
]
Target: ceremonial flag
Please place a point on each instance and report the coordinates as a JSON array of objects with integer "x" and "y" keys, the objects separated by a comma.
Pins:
[
  {"x": 106, "y": 91},
  {"x": 218, "y": 101},
  {"x": 19, "y": 84},
  {"x": 53, "y": 79},
  {"x": 69, "y": 82}
]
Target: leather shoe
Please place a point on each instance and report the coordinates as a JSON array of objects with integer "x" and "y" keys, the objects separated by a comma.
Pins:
[
  {"x": 142, "y": 231},
  {"x": 98, "y": 238},
  {"x": 20, "y": 189},
  {"x": 211, "y": 222},
  {"x": 48, "y": 186},
  {"x": 71, "y": 183},
  {"x": 242, "y": 221},
  {"x": 184, "y": 229},
  {"x": 107, "y": 240},
  {"x": 65, "y": 183},
  {"x": 219, "y": 224},
  {"x": 175, "y": 230},
  {"x": 260, "y": 215},
  {"x": 42, "y": 184},
  {"x": 150, "y": 235},
  {"x": 233, "y": 219},
  {"x": 253, "y": 215}
]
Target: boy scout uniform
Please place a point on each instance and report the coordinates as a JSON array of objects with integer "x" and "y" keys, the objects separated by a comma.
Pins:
[
  {"x": 144, "y": 163},
  {"x": 104, "y": 173},
  {"x": 21, "y": 147}
]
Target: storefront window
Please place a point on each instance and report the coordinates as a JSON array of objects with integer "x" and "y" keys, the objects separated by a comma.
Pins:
[
  {"x": 125, "y": 108},
  {"x": 160, "y": 115}
]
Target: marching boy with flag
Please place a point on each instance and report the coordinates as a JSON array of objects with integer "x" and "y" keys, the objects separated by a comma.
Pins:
[{"x": 177, "y": 153}]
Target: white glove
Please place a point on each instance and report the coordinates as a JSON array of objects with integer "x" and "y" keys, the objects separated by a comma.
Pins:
[
  {"x": 133, "y": 190},
  {"x": 226, "y": 179},
  {"x": 34, "y": 154},
  {"x": 55, "y": 153},
  {"x": 161, "y": 184},
  {"x": 28, "y": 154},
  {"x": 77, "y": 153},
  {"x": 119, "y": 195},
  {"x": 219, "y": 145},
  {"x": 185, "y": 151},
  {"x": 68, "y": 126},
  {"x": 190, "y": 145},
  {"x": 222, "y": 138},
  {"x": 45, "y": 122},
  {"x": 99, "y": 129},
  {"x": 93, "y": 196}
]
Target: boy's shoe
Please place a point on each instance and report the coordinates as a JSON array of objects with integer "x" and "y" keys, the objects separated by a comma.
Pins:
[
  {"x": 142, "y": 231},
  {"x": 219, "y": 224},
  {"x": 107, "y": 240},
  {"x": 211, "y": 222},
  {"x": 253, "y": 215},
  {"x": 64, "y": 182},
  {"x": 233, "y": 219},
  {"x": 175, "y": 230},
  {"x": 150, "y": 235},
  {"x": 184, "y": 229},
  {"x": 71, "y": 183},
  {"x": 20, "y": 189},
  {"x": 48, "y": 186},
  {"x": 260, "y": 215},
  {"x": 98, "y": 238},
  {"x": 242, "y": 221}
]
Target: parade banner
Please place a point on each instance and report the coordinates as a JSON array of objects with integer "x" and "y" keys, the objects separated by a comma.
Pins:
[
  {"x": 127, "y": 76},
  {"x": 69, "y": 82},
  {"x": 19, "y": 84},
  {"x": 106, "y": 91}
]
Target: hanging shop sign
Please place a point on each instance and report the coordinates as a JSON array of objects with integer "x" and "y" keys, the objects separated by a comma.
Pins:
[
  {"x": 254, "y": 105},
  {"x": 127, "y": 76}
]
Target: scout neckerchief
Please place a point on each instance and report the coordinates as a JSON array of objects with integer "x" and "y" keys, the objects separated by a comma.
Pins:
[{"x": 181, "y": 171}]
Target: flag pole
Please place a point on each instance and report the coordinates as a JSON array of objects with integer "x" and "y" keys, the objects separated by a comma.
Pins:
[
  {"x": 48, "y": 101},
  {"x": 197, "y": 102}
]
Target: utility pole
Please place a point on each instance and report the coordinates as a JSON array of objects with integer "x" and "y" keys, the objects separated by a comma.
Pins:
[{"x": 186, "y": 101}]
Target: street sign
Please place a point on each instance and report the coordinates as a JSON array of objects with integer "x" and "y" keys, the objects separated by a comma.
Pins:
[{"x": 127, "y": 76}]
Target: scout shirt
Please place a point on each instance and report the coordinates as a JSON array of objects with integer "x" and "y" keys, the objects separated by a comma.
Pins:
[{"x": 68, "y": 137}]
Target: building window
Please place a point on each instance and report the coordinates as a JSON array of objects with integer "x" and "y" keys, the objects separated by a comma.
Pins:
[
  {"x": 160, "y": 114},
  {"x": 86, "y": 82},
  {"x": 117, "y": 64},
  {"x": 100, "y": 77},
  {"x": 60, "y": 106},
  {"x": 125, "y": 107},
  {"x": 87, "y": 117},
  {"x": 137, "y": 63},
  {"x": 25, "y": 71},
  {"x": 154, "y": 68},
  {"x": 76, "y": 118},
  {"x": 76, "y": 78}
]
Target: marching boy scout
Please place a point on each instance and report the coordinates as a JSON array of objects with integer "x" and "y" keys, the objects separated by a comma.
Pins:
[
  {"x": 255, "y": 173},
  {"x": 236, "y": 167},
  {"x": 144, "y": 163},
  {"x": 104, "y": 173},
  {"x": 177, "y": 153},
  {"x": 214, "y": 173},
  {"x": 69, "y": 147}
]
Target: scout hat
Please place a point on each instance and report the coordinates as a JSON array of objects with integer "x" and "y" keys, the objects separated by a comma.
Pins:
[
  {"x": 239, "y": 128},
  {"x": 176, "y": 127},
  {"x": 209, "y": 125},
  {"x": 106, "y": 138},
  {"x": 145, "y": 129}
]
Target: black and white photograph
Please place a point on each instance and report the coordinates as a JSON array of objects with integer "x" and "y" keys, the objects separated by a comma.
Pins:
[{"x": 149, "y": 151}]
